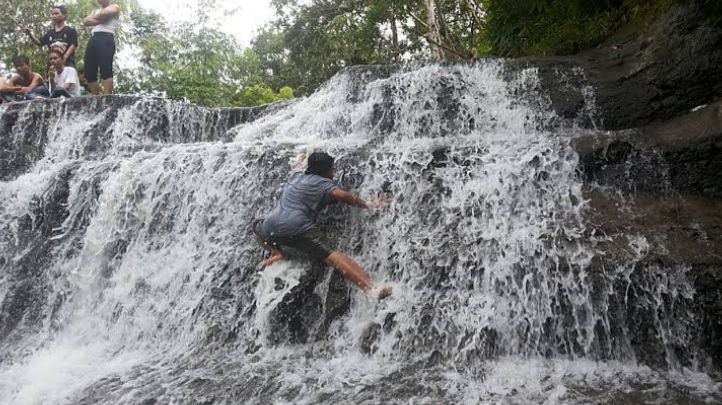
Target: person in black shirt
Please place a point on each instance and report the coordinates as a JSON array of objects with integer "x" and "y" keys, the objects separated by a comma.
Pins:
[{"x": 61, "y": 37}]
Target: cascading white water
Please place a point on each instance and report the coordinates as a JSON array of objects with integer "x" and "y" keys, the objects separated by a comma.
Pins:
[{"x": 150, "y": 290}]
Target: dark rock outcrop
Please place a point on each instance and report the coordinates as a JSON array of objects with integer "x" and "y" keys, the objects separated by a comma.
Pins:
[
  {"x": 305, "y": 314},
  {"x": 657, "y": 188},
  {"x": 27, "y": 127},
  {"x": 659, "y": 177},
  {"x": 641, "y": 74},
  {"x": 659, "y": 181},
  {"x": 662, "y": 70}
]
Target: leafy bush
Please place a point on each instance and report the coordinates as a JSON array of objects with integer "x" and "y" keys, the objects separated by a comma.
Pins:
[{"x": 554, "y": 27}]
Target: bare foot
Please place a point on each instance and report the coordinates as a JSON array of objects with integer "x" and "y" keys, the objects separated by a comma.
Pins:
[
  {"x": 275, "y": 257},
  {"x": 385, "y": 292}
]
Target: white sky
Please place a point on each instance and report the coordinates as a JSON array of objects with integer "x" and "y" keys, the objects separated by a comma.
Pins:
[{"x": 241, "y": 18}]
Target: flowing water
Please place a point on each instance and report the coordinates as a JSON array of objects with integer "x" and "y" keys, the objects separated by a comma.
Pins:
[{"x": 128, "y": 272}]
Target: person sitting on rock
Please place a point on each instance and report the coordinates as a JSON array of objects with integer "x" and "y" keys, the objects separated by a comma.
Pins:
[
  {"x": 292, "y": 223},
  {"x": 31, "y": 84},
  {"x": 64, "y": 79}
]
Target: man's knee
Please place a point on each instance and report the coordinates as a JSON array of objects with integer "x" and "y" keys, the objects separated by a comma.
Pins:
[{"x": 106, "y": 74}]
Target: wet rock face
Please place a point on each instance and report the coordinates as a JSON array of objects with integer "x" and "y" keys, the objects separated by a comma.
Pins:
[
  {"x": 26, "y": 128},
  {"x": 641, "y": 74},
  {"x": 660, "y": 183},
  {"x": 23, "y": 266},
  {"x": 659, "y": 72},
  {"x": 658, "y": 187},
  {"x": 305, "y": 313},
  {"x": 708, "y": 301},
  {"x": 683, "y": 154}
]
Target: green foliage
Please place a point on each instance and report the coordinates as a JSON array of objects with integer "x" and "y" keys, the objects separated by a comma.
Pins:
[
  {"x": 311, "y": 40},
  {"x": 277, "y": 70},
  {"x": 36, "y": 15},
  {"x": 326, "y": 36},
  {"x": 197, "y": 65},
  {"x": 259, "y": 95},
  {"x": 554, "y": 27}
]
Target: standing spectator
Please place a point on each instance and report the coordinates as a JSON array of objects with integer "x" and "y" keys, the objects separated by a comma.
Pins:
[
  {"x": 31, "y": 84},
  {"x": 60, "y": 37},
  {"x": 64, "y": 79},
  {"x": 101, "y": 46}
]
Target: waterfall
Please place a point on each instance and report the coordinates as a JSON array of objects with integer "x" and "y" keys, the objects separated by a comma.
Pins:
[{"x": 129, "y": 274}]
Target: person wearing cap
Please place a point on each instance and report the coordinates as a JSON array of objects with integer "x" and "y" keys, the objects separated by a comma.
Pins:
[
  {"x": 61, "y": 37},
  {"x": 292, "y": 223}
]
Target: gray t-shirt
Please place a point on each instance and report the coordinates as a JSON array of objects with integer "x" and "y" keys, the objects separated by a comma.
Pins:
[{"x": 303, "y": 197}]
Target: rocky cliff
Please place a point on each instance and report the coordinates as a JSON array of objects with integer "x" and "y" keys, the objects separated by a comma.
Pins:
[{"x": 551, "y": 216}]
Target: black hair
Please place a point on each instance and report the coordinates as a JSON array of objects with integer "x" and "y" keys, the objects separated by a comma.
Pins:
[
  {"x": 55, "y": 51},
  {"x": 319, "y": 163},
  {"x": 63, "y": 10},
  {"x": 20, "y": 60}
]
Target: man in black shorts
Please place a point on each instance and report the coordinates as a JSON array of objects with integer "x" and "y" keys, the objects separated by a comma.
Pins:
[
  {"x": 61, "y": 37},
  {"x": 292, "y": 223}
]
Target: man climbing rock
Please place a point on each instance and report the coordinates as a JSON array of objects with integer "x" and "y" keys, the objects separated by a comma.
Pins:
[{"x": 292, "y": 223}]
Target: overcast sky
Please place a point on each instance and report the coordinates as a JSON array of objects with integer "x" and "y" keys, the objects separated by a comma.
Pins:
[{"x": 241, "y": 18}]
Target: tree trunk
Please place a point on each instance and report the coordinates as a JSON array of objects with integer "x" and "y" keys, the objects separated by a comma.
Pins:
[
  {"x": 474, "y": 9},
  {"x": 434, "y": 33},
  {"x": 395, "y": 40}
]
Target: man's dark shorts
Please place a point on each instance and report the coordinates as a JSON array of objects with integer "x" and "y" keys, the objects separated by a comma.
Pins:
[{"x": 312, "y": 242}]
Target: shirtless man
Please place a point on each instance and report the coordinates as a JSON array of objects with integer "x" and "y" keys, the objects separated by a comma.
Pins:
[
  {"x": 31, "y": 84},
  {"x": 292, "y": 223}
]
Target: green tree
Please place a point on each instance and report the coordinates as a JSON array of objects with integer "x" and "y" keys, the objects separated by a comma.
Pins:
[
  {"x": 36, "y": 15},
  {"x": 195, "y": 64},
  {"x": 322, "y": 37},
  {"x": 311, "y": 41}
]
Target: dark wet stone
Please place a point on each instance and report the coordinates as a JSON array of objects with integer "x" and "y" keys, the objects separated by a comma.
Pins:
[
  {"x": 38, "y": 234},
  {"x": 369, "y": 338},
  {"x": 25, "y": 126},
  {"x": 302, "y": 315}
]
